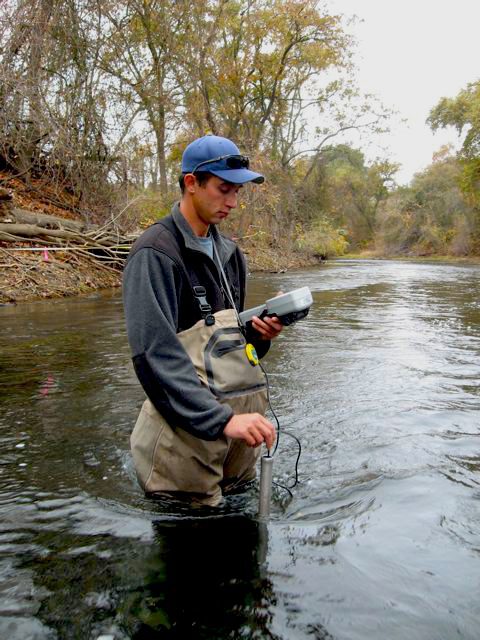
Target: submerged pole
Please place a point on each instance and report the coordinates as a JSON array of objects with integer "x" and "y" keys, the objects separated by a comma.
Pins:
[{"x": 266, "y": 467}]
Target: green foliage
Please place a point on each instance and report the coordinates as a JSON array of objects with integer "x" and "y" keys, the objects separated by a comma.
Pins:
[
  {"x": 431, "y": 216},
  {"x": 349, "y": 191},
  {"x": 470, "y": 181},
  {"x": 322, "y": 239},
  {"x": 463, "y": 113}
]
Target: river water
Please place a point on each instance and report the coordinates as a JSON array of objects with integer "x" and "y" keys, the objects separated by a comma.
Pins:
[{"x": 381, "y": 537}]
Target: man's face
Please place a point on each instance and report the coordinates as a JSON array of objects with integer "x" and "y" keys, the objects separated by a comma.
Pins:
[{"x": 214, "y": 200}]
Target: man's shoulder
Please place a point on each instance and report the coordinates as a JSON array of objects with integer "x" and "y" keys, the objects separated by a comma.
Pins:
[{"x": 159, "y": 236}]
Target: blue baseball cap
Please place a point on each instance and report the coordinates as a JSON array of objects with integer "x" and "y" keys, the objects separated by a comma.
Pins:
[{"x": 220, "y": 157}]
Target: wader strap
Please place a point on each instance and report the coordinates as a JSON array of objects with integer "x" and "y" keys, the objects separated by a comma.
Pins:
[
  {"x": 226, "y": 286},
  {"x": 199, "y": 291},
  {"x": 200, "y": 294}
]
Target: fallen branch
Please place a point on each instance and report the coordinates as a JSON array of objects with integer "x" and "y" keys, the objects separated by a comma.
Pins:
[
  {"x": 33, "y": 230},
  {"x": 22, "y": 216}
]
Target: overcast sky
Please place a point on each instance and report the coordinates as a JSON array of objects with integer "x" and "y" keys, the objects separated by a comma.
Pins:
[{"x": 410, "y": 53}]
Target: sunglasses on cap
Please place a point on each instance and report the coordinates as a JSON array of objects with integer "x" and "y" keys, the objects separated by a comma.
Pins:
[{"x": 231, "y": 162}]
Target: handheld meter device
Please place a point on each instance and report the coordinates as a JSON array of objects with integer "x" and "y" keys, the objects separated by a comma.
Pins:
[{"x": 288, "y": 307}]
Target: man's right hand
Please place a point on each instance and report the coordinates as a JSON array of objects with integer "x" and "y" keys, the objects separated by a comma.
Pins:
[{"x": 253, "y": 428}]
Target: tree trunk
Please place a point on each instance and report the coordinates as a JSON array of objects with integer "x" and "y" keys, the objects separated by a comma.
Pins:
[{"x": 160, "y": 138}]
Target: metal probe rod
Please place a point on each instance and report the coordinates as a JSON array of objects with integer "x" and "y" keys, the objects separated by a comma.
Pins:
[{"x": 266, "y": 467}]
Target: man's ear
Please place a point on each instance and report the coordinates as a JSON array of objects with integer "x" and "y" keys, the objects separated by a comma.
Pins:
[{"x": 190, "y": 182}]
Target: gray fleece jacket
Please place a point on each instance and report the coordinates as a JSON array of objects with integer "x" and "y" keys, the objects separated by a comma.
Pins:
[{"x": 164, "y": 265}]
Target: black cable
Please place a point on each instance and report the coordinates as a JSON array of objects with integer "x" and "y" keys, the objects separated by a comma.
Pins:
[
  {"x": 287, "y": 433},
  {"x": 297, "y": 440},
  {"x": 281, "y": 486},
  {"x": 271, "y": 408}
]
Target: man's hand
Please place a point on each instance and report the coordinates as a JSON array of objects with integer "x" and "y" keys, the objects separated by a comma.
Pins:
[
  {"x": 268, "y": 327},
  {"x": 253, "y": 428}
]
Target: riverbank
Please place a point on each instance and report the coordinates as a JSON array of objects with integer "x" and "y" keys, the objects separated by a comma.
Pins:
[
  {"x": 38, "y": 274},
  {"x": 373, "y": 255},
  {"x": 28, "y": 274}
]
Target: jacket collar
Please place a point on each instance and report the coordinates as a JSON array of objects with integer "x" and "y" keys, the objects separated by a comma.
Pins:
[{"x": 224, "y": 246}]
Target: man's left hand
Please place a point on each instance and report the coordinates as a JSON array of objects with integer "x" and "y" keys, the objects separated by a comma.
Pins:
[{"x": 268, "y": 327}]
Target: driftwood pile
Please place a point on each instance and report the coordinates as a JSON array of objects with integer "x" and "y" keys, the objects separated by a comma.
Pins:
[{"x": 41, "y": 230}]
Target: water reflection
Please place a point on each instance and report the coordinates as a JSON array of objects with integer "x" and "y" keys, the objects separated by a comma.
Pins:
[
  {"x": 204, "y": 577},
  {"x": 196, "y": 575}
]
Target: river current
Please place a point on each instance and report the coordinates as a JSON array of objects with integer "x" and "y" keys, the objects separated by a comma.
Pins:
[{"x": 380, "y": 538}]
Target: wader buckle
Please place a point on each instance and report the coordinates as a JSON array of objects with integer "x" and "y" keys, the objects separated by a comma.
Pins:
[{"x": 200, "y": 294}]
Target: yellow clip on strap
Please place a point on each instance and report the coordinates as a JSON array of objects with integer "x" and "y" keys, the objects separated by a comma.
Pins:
[{"x": 251, "y": 354}]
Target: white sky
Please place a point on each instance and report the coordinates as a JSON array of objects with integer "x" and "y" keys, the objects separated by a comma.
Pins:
[{"x": 410, "y": 53}]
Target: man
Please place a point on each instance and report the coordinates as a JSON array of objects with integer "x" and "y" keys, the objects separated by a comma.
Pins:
[{"x": 199, "y": 431}]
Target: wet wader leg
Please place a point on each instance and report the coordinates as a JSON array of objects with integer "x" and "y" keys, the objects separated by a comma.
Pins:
[
  {"x": 174, "y": 462},
  {"x": 239, "y": 467}
]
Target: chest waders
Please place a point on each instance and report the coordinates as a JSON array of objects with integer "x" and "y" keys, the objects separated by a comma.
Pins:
[{"x": 170, "y": 460}]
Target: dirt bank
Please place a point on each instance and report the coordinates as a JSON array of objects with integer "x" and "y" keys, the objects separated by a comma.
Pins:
[{"x": 31, "y": 274}]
